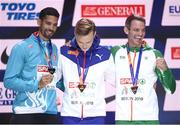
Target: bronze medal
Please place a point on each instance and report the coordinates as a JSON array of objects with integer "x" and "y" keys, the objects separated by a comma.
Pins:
[
  {"x": 134, "y": 89},
  {"x": 81, "y": 87}
]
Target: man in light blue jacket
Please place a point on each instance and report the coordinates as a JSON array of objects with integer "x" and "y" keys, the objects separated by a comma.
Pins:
[{"x": 31, "y": 73}]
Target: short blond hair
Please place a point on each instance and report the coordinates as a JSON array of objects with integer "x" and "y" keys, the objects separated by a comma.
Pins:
[{"x": 84, "y": 26}]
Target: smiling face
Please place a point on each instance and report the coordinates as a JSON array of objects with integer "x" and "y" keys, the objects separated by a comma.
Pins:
[
  {"x": 47, "y": 27},
  {"x": 135, "y": 33}
]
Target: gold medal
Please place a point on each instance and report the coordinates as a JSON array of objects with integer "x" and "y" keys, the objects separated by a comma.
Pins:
[{"x": 134, "y": 89}]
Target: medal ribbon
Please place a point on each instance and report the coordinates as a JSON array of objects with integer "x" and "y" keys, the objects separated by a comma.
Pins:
[
  {"x": 131, "y": 67},
  {"x": 48, "y": 54},
  {"x": 82, "y": 76}
]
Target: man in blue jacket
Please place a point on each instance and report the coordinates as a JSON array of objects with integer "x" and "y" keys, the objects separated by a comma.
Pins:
[
  {"x": 86, "y": 67},
  {"x": 31, "y": 73}
]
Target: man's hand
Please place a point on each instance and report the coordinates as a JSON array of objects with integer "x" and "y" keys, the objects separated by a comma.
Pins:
[
  {"x": 45, "y": 80},
  {"x": 161, "y": 64},
  {"x": 68, "y": 43}
]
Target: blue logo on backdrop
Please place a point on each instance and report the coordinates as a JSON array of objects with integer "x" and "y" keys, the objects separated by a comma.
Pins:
[
  {"x": 20, "y": 11},
  {"x": 174, "y": 9},
  {"x": 6, "y": 96}
]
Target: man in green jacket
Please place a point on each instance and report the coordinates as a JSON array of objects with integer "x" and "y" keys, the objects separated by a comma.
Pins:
[{"x": 138, "y": 67}]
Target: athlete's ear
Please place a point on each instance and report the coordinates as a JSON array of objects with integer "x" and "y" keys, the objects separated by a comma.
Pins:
[{"x": 126, "y": 30}]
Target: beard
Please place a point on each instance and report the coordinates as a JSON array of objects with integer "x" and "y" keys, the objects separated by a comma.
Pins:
[{"x": 48, "y": 33}]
